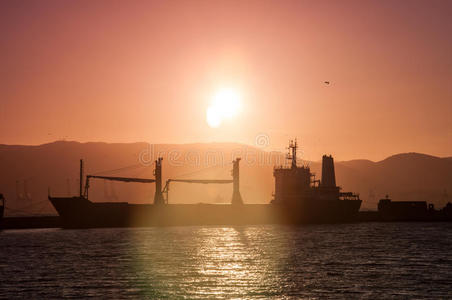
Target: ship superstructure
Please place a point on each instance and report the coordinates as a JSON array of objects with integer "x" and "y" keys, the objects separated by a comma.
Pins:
[
  {"x": 297, "y": 182},
  {"x": 296, "y": 187}
]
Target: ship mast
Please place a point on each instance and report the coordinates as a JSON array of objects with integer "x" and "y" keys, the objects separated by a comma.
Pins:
[
  {"x": 81, "y": 178},
  {"x": 292, "y": 155}
]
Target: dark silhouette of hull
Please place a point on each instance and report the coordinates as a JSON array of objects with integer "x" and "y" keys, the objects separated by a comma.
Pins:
[
  {"x": 78, "y": 212},
  {"x": 412, "y": 211}
]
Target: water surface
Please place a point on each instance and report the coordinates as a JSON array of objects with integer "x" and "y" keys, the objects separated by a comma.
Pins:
[{"x": 367, "y": 260}]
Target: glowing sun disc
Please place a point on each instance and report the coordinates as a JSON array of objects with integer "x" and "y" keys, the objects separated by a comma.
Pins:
[
  {"x": 213, "y": 117},
  {"x": 225, "y": 104}
]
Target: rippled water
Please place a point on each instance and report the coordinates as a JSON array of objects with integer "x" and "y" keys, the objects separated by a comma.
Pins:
[{"x": 373, "y": 260}]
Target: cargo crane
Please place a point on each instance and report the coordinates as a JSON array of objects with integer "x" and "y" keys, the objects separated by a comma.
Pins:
[
  {"x": 158, "y": 197},
  {"x": 236, "y": 197},
  {"x": 202, "y": 181},
  {"x": 112, "y": 178},
  {"x": 157, "y": 173}
]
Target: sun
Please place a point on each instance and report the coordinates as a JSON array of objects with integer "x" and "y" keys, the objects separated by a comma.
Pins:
[{"x": 225, "y": 104}]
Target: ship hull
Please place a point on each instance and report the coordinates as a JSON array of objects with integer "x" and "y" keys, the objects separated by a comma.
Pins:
[{"x": 79, "y": 212}]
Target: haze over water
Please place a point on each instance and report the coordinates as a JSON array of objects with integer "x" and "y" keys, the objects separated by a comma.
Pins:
[{"x": 369, "y": 260}]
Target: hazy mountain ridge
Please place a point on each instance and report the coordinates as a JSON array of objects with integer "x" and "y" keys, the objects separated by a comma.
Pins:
[{"x": 406, "y": 176}]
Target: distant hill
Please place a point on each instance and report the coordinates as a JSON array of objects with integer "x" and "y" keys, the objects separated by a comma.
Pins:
[
  {"x": 28, "y": 172},
  {"x": 407, "y": 176}
]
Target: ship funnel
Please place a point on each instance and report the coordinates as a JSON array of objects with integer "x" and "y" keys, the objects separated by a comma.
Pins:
[{"x": 328, "y": 176}]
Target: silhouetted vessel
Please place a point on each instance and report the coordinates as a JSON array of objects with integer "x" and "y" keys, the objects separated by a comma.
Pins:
[
  {"x": 299, "y": 198},
  {"x": 399, "y": 211}
]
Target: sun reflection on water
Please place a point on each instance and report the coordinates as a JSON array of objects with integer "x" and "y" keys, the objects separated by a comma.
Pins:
[{"x": 223, "y": 262}]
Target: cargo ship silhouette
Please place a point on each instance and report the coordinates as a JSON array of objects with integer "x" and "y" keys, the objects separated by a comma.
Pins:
[{"x": 298, "y": 199}]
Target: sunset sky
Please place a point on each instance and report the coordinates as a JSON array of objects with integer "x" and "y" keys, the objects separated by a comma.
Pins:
[{"x": 127, "y": 71}]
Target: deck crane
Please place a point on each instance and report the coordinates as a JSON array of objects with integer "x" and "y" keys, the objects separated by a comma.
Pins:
[
  {"x": 158, "y": 197},
  {"x": 236, "y": 197},
  {"x": 112, "y": 178},
  {"x": 202, "y": 181},
  {"x": 157, "y": 172}
]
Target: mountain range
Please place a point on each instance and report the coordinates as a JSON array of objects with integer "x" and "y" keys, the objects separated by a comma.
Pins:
[{"x": 29, "y": 173}]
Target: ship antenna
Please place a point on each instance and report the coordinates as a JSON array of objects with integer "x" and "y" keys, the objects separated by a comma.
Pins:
[{"x": 293, "y": 145}]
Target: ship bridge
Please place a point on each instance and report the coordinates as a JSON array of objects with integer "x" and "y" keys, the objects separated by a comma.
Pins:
[
  {"x": 295, "y": 183},
  {"x": 294, "y": 180}
]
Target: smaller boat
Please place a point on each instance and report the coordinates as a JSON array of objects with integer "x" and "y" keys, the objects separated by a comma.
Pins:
[{"x": 411, "y": 211}]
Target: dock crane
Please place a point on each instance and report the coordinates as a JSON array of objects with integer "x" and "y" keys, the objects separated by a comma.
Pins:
[{"x": 236, "y": 197}]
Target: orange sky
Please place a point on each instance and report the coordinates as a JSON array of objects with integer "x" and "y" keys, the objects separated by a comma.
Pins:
[{"x": 125, "y": 71}]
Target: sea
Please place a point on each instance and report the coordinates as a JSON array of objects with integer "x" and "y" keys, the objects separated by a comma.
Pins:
[{"x": 347, "y": 261}]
